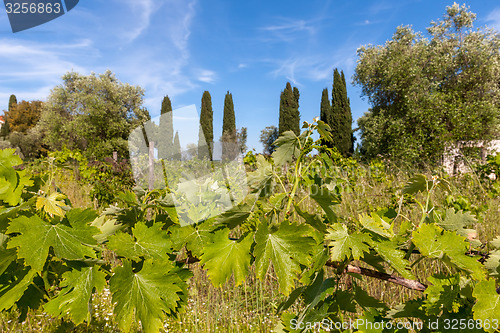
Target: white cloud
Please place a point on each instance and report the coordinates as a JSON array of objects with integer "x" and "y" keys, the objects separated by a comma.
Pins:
[
  {"x": 207, "y": 76},
  {"x": 494, "y": 18}
]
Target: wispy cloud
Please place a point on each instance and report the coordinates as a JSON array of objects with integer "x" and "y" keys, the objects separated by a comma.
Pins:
[
  {"x": 145, "y": 9},
  {"x": 287, "y": 30},
  {"x": 494, "y": 18},
  {"x": 37, "y": 64},
  {"x": 316, "y": 67},
  {"x": 207, "y": 76}
]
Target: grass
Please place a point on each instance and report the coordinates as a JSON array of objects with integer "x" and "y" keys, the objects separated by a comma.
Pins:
[{"x": 251, "y": 307}]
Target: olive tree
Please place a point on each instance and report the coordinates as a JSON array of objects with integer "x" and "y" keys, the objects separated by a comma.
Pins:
[
  {"x": 428, "y": 90},
  {"x": 93, "y": 113}
]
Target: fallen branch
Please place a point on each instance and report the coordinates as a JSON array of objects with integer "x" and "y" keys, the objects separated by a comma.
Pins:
[{"x": 410, "y": 284}]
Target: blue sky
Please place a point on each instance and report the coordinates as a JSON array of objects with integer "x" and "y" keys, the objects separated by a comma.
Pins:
[{"x": 182, "y": 47}]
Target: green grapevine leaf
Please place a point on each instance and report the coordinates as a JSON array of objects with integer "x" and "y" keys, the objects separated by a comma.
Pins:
[
  {"x": 493, "y": 263},
  {"x": 52, "y": 204},
  {"x": 417, "y": 183},
  {"x": 324, "y": 131},
  {"x": 286, "y": 248},
  {"x": 434, "y": 242},
  {"x": 12, "y": 292},
  {"x": 107, "y": 226},
  {"x": 37, "y": 236},
  {"x": 12, "y": 181},
  {"x": 144, "y": 295},
  {"x": 287, "y": 149},
  {"x": 441, "y": 293},
  {"x": 195, "y": 238},
  {"x": 235, "y": 216},
  {"x": 456, "y": 220},
  {"x": 487, "y": 307},
  {"x": 262, "y": 177},
  {"x": 224, "y": 257},
  {"x": 344, "y": 244},
  {"x": 376, "y": 224},
  {"x": 146, "y": 242},
  {"x": 411, "y": 308},
  {"x": 326, "y": 199},
  {"x": 314, "y": 220},
  {"x": 75, "y": 296},
  {"x": 6, "y": 257},
  {"x": 394, "y": 257},
  {"x": 8, "y": 213}
]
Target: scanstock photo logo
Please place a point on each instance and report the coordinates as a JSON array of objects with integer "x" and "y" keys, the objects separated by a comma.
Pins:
[{"x": 26, "y": 14}]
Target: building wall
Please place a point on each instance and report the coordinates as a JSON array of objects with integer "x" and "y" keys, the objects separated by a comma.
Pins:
[{"x": 453, "y": 158}]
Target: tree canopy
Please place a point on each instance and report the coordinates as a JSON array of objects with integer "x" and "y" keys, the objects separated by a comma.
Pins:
[
  {"x": 267, "y": 137},
  {"x": 427, "y": 91},
  {"x": 23, "y": 116},
  {"x": 93, "y": 113}
]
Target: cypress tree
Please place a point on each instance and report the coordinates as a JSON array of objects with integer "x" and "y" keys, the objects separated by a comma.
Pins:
[
  {"x": 229, "y": 147},
  {"x": 341, "y": 115},
  {"x": 206, "y": 137},
  {"x": 166, "y": 134},
  {"x": 12, "y": 101},
  {"x": 326, "y": 111},
  {"x": 5, "y": 130},
  {"x": 289, "y": 119},
  {"x": 177, "y": 147},
  {"x": 347, "y": 121}
]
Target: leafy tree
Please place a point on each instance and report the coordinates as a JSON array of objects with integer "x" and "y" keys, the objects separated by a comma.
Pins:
[
  {"x": 228, "y": 129},
  {"x": 165, "y": 144},
  {"x": 241, "y": 139},
  {"x": 267, "y": 137},
  {"x": 206, "y": 137},
  {"x": 23, "y": 116},
  {"x": 93, "y": 113},
  {"x": 427, "y": 92},
  {"x": 289, "y": 110},
  {"x": 177, "y": 146},
  {"x": 29, "y": 143}
]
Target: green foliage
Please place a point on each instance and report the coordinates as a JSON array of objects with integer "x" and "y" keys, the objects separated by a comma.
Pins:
[
  {"x": 206, "y": 136},
  {"x": 93, "y": 113},
  {"x": 427, "y": 91},
  {"x": 241, "y": 139},
  {"x": 267, "y": 137},
  {"x": 289, "y": 119},
  {"x": 288, "y": 227}
]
